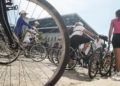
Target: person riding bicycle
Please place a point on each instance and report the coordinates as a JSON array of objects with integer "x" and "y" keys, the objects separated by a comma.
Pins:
[
  {"x": 21, "y": 22},
  {"x": 31, "y": 35},
  {"x": 84, "y": 48},
  {"x": 79, "y": 36},
  {"x": 35, "y": 31},
  {"x": 98, "y": 42}
]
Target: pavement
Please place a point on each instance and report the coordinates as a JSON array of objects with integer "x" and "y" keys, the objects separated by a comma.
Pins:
[
  {"x": 25, "y": 72},
  {"x": 79, "y": 77}
]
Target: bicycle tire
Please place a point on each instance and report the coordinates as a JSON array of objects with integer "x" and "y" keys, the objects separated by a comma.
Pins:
[
  {"x": 7, "y": 54},
  {"x": 105, "y": 64},
  {"x": 54, "y": 56},
  {"x": 93, "y": 62},
  {"x": 39, "y": 51},
  {"x": 56, "y": 16},
  {"x": 74, "y": 59},
  {"x": 112, "y": 65}
]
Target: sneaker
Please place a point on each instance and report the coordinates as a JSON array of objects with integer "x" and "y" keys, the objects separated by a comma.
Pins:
[{"x": 116, "y": 76}]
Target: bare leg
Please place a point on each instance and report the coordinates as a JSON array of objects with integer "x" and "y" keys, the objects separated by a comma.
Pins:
[{"x": 117, "y": 58}]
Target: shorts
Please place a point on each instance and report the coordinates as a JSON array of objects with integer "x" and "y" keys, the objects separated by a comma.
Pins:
[
  {"x": 116, "y": 41},
  {"x": 76, "y": 40}
]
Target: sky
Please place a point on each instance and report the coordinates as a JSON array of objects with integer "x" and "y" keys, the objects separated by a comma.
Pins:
[{"x": 97, "y": 13}]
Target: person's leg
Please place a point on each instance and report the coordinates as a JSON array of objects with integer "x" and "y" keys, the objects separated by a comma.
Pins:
[
  {"x": 117, "y": 58},
  {"x": 116, "y": 47},
  {"x": 74, "y": 43}
]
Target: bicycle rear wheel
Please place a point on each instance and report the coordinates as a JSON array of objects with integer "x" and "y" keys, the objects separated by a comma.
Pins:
[
  {"x": 46, "y": 75},
  {"x": 93, "y": 66}
]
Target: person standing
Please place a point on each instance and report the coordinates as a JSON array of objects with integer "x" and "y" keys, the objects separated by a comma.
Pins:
[{"x": 115, "y": 31}]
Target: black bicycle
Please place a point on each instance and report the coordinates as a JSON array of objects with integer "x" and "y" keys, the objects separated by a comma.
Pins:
[
  {"x": 26, "y": 70},
  {"x": 100, "y": 61},
  {"x": 79, "y": 57}
]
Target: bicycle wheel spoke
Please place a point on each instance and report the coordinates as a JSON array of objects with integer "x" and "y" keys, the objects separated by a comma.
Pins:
[{"x": 25, "y": 71}]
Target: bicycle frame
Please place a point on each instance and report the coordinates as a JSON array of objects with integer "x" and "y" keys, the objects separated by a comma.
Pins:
[{"x": 4, "y": 22}]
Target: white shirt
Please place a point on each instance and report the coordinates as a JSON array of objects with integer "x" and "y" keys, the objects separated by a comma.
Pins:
[
  {"x": 86, "y": 51},
  {"x": 98, "y": 43},
  {"x": 78, "y": 30},
  {"x": 29, "y": 35}
]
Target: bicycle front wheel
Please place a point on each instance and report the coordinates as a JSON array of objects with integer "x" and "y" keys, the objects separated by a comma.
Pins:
[
  {"x": 73, "y": 60},
  {"x": 37, "y": 53},
  {"x": 93, "y": 66},
  {"x": 47, "y": 75},
  {"x": 7, "y": 54},
  {"x": 105, "y": 64}
]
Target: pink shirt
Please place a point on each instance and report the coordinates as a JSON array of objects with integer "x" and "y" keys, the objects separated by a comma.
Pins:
[{"x": 116, "y": 25}]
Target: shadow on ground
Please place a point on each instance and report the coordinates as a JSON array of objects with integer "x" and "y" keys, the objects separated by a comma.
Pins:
[{"x": 80, "y": 75}]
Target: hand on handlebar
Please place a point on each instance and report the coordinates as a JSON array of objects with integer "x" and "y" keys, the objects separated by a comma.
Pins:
[{"x": 32, "y": 32}]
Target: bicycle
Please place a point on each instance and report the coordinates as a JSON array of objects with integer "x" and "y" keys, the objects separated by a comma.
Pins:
[
  {"x": 112, "y": 65},
  {"x": 32, "y": 48},
  {"x": 7, "y": 54},
  {"x": 55, "y": 55},
  {"x": 37, "y": 52},
  {"x": 5, "y": 19},
  {"x": 100, "y": 61},
  {"x": 79, "y": 57}
]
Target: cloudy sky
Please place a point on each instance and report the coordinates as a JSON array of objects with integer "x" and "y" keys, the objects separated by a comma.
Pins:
[{"x": 97, "y": 13}]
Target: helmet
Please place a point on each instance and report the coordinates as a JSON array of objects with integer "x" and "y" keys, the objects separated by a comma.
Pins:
[
  {"x": 36, "y": 22},
  {"x": 22, "y": 12},
  {"x": 78, "y": 23}
]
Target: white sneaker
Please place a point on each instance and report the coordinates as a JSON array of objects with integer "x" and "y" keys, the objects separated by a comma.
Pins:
[{"x": 116, "y": 76}]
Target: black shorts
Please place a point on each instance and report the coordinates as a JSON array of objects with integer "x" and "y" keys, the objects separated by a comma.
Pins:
[
  {"x": 116, "y": 41},
  {"x": 76, "y": 40}
]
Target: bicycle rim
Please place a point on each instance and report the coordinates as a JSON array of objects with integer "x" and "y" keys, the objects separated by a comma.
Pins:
[
  {"x": 38, "y": 53},
  {"x": 105, "y": 64},
  {"x": 51, "y": 79},
  {"x": 7, "y": 54},
  {"x": 93, "y": 65}
]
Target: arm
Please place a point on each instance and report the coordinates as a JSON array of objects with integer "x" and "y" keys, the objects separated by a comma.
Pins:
[
  {"x": 110, "y": 31},
  {"x": 88, "y": 33},
  {"x": 26, "y": 24}
]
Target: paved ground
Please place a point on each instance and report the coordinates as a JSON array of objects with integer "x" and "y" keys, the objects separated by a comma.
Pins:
[
  {"x": 80, "y": 78},
  {"x": 25, "y": 72}
]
